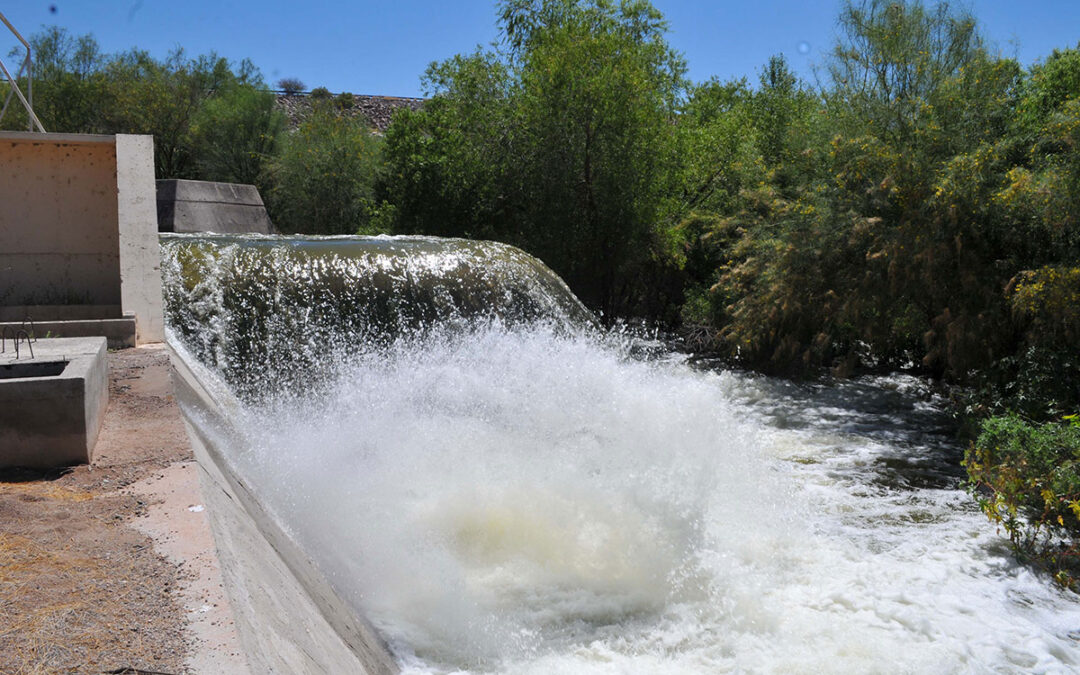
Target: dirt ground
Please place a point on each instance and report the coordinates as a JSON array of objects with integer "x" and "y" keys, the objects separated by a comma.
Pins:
[{"x": 110, "y": 568}]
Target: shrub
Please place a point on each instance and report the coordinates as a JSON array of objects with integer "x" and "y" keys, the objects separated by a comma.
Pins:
[
  {"x": 320, "y": 94},
  {"x": 1027, "y": 479},
  {"x": 291, "y": 85},
  {"x": 344, "y": 100}
]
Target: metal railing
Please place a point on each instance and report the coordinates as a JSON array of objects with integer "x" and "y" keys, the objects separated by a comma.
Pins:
[{"x": 25, "y": 69}]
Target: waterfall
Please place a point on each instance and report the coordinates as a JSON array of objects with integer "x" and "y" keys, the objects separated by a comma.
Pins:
[{"x": 500, "y": 487}]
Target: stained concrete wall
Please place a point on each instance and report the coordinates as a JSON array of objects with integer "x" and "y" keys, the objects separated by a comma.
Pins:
[
  {"x": 204, "y": 206},
  {"x": 59, "y": 244},
  {"x": 78, "y": 229}
]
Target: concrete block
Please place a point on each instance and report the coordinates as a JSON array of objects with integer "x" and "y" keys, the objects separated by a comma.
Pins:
[
  {"x": 52, "y": 404},
  {"x": 204, "y": 206}
]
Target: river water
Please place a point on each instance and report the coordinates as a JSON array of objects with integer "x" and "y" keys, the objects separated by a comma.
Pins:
[{"x": 526, "y": 499}]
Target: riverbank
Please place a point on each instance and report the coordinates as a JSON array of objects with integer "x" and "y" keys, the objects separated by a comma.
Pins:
[{"x": 112, "y": 565}]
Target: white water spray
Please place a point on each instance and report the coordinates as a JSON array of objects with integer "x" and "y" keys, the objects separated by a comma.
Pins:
[
  {"x": 527, "y": 500},
  {"x": 523, "y": 502}
]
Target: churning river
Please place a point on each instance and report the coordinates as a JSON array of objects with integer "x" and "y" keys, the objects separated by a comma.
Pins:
[{"x": 530, "y": 497}]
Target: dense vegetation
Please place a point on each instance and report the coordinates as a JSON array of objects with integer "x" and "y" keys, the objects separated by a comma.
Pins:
[{"x": 918, "y": 211}]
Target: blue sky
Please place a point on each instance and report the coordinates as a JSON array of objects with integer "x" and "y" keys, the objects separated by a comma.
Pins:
[{"x": 383, "y": 47}]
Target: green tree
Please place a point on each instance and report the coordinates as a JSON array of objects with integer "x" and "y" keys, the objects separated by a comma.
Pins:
[
  {"x": 1048, "y": 87},
  {"x": 69, "y": 86},
  {"x": 893, "y": 57},
  {"x": 882, "y": 252},
  {"x": 235, "y": 133},
  {"x": 563, "y": 144},
  {"x": 323, "y": 178},
  {"x": 598, "y": 93},
  {"x": 163, "y": 98},
  {"x": 451, "y": 167}
]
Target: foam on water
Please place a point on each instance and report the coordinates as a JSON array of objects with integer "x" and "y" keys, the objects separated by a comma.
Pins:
[
  {"x": 527, "y": 501},
  {"x": 501, "y": 494}
]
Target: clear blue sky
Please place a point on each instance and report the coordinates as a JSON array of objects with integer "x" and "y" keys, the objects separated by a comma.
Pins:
[{"x": 369, "y": 47}]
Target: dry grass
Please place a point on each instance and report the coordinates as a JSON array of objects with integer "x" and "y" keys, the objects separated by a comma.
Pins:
[
  {"x": 81, "y": 599},
  {"x": 80, "y": 590}
]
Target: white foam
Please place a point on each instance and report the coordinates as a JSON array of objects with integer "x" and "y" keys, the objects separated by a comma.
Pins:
[{"x": 522, "y": 502}]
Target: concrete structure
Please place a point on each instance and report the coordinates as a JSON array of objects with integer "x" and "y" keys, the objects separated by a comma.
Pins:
[
  {"x": 203, "y": 206},
  {"x": 71, "y": 321},
  {"x": 78, "y": 236},
  {"x": 289, "y": 618},
  {"x": 51, "y": 405},
  {"x": 140, "y": 255}
]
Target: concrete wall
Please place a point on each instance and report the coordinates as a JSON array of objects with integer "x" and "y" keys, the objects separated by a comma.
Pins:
[
  {"x": 59, "y": 244},
  {"x": 287, "y": 614},
  {"x": 78, "y": 229},
  {"x": 140, "y": 254},
  {"x": 204, "y": 206}
]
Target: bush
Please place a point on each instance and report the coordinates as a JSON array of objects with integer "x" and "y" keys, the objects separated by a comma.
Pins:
[
  {"x": 1027, "y": 480},
  {"x": 344, "y": 100},
  {"x": 320, "y": 94},
  {"x": 291, "y": 85}
]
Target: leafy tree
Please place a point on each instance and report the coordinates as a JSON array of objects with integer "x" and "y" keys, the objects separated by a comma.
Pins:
[
  {"x": 1027, "y": 480},
  {"x": 163, "y": 98},
  {"x": 893, "y": 58},
  {"x": 323, "y": 178},
  {"x": 867, "y": 249},
  {"x": 561, "y": 144},
  {"x": 344, "y": 101},
  {"x": 451, "y": 167},
  {"x": 1048, "y": 87},
  {"x": 235, "y": 133},
  {"x": 291, "y": 85},
  {"x": 70, "y": 93}
]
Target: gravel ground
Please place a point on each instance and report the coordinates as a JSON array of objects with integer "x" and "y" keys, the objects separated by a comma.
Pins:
[{"x": 109, "y": 567}]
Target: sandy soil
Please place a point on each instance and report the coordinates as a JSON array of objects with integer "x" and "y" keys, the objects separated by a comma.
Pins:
[{"x": 110, "y": 567}]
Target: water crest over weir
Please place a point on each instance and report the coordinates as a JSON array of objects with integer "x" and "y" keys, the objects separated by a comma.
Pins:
[
  {"x": 273, "y": 312},
  {"x": 501, "y": 490}
]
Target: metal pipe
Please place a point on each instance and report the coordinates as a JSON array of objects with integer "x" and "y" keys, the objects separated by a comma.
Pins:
[
  {"x": 3, "y": 336},
  {"x": 25, "y": 335},
  {"x": 29, "y": 79},
  {"x": 33, "y": 331}
]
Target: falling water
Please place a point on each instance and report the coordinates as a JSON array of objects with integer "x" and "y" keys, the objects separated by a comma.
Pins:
[{"x": 508, "y": 491}]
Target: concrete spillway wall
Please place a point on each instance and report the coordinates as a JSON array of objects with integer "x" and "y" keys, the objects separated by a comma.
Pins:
[{"x": 288, "y": 616}]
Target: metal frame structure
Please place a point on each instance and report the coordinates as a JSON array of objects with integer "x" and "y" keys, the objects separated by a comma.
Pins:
[{"x": 25, "y": 69}]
